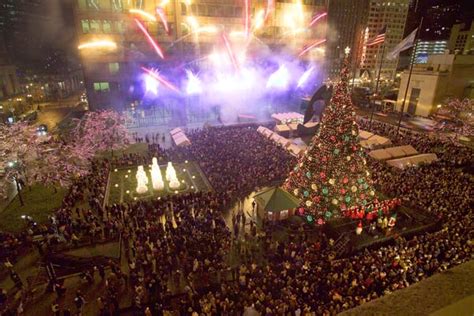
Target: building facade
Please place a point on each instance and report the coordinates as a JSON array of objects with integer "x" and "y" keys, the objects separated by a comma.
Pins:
[
  {"x": 428, "y": 48},
  {"x": 393, "y": 16},
  {"x": 442, "y": 77},
  {"x": 462, "y": 38},
  {"x": 354, "y": 23},
  {"x": 111, "y": 75}
]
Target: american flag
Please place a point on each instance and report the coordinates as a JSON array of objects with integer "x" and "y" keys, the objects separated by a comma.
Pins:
[{"x": 379, "y": 39}]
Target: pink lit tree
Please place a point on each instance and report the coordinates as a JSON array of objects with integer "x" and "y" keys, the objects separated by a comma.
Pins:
[
  {"x": 101, "y": 131},
  {"x": 30, "y": 158}
]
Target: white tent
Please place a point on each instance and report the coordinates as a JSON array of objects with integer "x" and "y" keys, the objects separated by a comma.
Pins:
[
  {"x": 181, "y": 140},
  {"x": 380, "y": 154},
  {"x": 375, "y": 141},
  {"x": 365, "y": 135},
  {"x": 396, "y": 152},
  {"x": 284, "y": 142},
  {"x": 409, "y": 150},
  {"x": 287, "y": 117},
  {"x": 176, "y": 131},
  {"x": 406, "y": 162},
  {"x": 295, "y": 149}
]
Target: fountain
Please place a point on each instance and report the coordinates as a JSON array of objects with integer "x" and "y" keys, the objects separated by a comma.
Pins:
[
  {"x": 171, "y": 176},
  {"x": 142, "y": 180},
  {"x": 156, "y": 178}
]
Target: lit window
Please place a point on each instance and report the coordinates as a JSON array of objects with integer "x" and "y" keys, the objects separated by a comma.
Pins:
[
  {"x": 93, "y": 4},
  {"x": 120, "y": 26},
  {"x": 114, "y": 68},
  {"x": 117, "y": 5},
  {"x": 95, "y": 26},
  {"x": 101, "y": 87},
  {"x": 107, "y": 26},
  {"x": 85, "y": 26}
]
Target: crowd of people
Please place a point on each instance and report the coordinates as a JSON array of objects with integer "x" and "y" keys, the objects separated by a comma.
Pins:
[{"x": 181, "y": 252}]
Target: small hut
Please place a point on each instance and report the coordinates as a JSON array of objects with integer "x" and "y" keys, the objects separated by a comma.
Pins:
[{"x": 275, "y": 204}]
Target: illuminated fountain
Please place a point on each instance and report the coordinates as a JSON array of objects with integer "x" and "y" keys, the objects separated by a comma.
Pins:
[
  {"x": 142, "y": 180},
  {"x": 156, "y": 178},
  {"x": 171, "y": 176}
]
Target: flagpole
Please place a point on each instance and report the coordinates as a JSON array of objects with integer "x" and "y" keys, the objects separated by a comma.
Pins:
[
  {"x": 377, "y": 85},
  {"x": 412, "y": 62}
]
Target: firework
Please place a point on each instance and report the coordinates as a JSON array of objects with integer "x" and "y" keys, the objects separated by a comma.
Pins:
[
  {"x": 162, "y": 80},
  {"x": 151, "y": 84},
  {"x": 230, "y": 52},
  {"x": 150, "y": 39},
  {"x": 143, "y": 14},
  {"x": 162, "y": 15},
  {"x": 259, "y": 19},
  {"x": 247, "y": 18},
  {"x": 194, "y": 85},
  {"x": 99, "y": 44},
  {"x": 317, "y": 18},
  {"x": 279, "y": 79},
  {"x": 270, "y": 8},
  {"x": 304, "y": 77},
  {"x": 310, "y": 47}
]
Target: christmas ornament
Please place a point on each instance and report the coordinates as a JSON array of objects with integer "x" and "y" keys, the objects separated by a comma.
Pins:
[
  {"x": 309, "y": 203},
  {"x": 354, "y": 188},
  {"x": 314, "y": 187},
  {"x": 334, "y": 201},
  {"x": 306, "y": 193},
  {"x": 359, "y": 228},
  {"x": 308, "y": 174},
  {"x": 295, "y": 192},
  {"x": 332, "y": 181},
  {"x": 348, "y": 158},
  {"x": 328, "y": 215},
  {"x": 325, "y": 191},
  {"x": 345, "y": 180}
]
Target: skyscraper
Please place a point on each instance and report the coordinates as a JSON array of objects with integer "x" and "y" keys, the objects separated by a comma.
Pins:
[
  {"x": 392, "y": 15},
  {"x": 347, "y": 22}
]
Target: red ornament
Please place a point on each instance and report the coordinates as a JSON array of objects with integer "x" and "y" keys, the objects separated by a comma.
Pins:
[
  {"x": 343, "y": 191},
  {"x": 323, "y": 175},
  {"x": 316, "y": 199},
  {"x": 333, "y": 138},
  {"x": 301, "y": 210},
  {"x": 345, "y": 180}
]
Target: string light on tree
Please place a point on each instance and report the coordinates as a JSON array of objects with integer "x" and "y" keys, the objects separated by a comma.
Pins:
[{"x": 332, "y": 177}]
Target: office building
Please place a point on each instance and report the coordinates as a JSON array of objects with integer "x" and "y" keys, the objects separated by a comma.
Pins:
[
  {"x": 462, "y": 38},
  {"x": 442, "y": 77},
  {"x": 393, "y": 16},
  {"x": 347, "y": 25}
]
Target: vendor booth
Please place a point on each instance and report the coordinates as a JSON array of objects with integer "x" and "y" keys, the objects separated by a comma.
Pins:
[{"x": 275, "y": 204}]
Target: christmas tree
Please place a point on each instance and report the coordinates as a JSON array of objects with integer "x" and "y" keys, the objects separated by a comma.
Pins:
[{"x": 332, "y": 177}]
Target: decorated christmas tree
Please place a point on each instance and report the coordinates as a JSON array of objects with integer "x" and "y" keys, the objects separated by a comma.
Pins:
[{"x": 331, "y": 178}]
